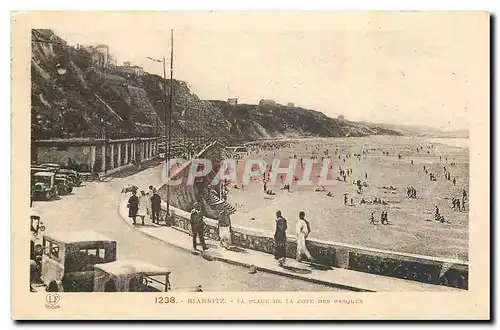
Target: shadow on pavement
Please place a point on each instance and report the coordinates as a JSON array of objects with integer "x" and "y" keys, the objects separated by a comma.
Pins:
[
  {"x": 212, "y": 246},
  {"x": 296, "y": 270},
  {"x": 319, "y": 267},
  {"x": 237, "y": 249}
]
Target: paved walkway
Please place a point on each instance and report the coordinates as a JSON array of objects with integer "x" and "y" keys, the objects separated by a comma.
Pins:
[{"x": 336, "y": 277}]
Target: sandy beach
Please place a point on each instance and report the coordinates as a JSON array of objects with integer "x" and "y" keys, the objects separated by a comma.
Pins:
[{"x": 412, "y": 227}]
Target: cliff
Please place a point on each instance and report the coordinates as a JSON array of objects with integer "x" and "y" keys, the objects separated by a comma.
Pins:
[{"x": 90, "y": 100}]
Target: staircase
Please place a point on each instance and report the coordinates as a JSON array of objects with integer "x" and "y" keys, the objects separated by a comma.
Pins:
[{"x": 216, "y": 203}]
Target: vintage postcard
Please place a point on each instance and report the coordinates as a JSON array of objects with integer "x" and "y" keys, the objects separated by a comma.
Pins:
[{"x": 259, "y": 165}]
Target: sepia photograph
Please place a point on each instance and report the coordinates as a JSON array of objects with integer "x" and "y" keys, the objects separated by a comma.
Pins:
[{"x": 226, "y": 162}]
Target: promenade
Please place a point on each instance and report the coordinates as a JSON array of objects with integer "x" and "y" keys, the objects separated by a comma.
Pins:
[
  {"x": 263, "y": 262},
  {"x": 94, "y": 206}
]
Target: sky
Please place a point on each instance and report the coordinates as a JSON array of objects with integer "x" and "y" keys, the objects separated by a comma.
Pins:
[{"x": 413, "y": 70}]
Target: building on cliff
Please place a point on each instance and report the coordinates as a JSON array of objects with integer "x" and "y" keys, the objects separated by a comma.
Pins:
[
  {"x": 267, "y": 102},
  {"x": 99, "y": 55},
  {"x": 232, "y": 101},
  {"x": 132, "y": 70},
  {"x": 290, "y": 104}
]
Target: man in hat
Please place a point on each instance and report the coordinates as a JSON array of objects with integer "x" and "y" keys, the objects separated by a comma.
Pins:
[
  {"x": 197, "y": 226},
  {"x": 155, "y": 206},
  {"x": 224, "y": 226}
]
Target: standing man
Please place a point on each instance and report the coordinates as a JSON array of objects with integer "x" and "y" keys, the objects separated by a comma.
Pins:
[
  {"x": 303, "y": 229},
  {"x": 372, "y": 218},
  {"x": 437, "y": 215},
  {"x": 155, "y": 207},
  {"x": 197, "y": 226},
  {"x": 280, "y": 239}
]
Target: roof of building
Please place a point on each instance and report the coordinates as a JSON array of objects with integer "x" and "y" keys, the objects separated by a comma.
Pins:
[
  {"x": 131, "y": 266},
  {"x": 78, "y": 237}
]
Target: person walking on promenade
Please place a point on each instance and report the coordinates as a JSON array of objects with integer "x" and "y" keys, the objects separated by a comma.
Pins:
[
  {"x": 198, "y": 226},
  {"x": 303, "y": 229},
  {"x": 143, "y": 202},
  {"x": 155, "y": 206},
  {"x": 280, "y": 239},
  {"x": 133, "y": 206},
  {"x": 224, "y": 226},
  {"x": 149, "y": 194}
]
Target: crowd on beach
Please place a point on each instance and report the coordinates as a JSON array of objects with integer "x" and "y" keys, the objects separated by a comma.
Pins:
[{"x": 346, "y": 172}]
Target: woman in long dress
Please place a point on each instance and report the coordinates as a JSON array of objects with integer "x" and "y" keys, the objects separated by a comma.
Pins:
[
  {"x": 303, "y": 230},
  {"x": 133, "y": 206},
  {"x": 224, "y": 225},
  {"x": 148, "y": 204},
  {"x": 280, "y": 239},
  {"x": 143, "y": 201}
]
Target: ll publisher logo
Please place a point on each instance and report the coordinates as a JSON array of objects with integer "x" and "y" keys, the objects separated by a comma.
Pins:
[{"x": 52, "y": 300}]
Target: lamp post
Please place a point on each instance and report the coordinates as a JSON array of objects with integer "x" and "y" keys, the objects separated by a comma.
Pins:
[
  {"x": 168, "y": 134},
  {"x": 171, "y": 109}
]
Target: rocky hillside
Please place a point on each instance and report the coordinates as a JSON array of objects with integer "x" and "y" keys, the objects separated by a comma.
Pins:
[
  {"x": 275, "y": 120},
  {"x": 86, "y": 100}
]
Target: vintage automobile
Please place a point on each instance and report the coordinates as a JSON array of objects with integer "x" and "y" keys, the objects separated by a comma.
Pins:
[
  {"x": 44, "y": 186},
  {"x": 64, "y": 185},
  {"x": 134, "y": 276},
  {"x": 69, "y": 259},
  {"x": 74, "y": 176},
  {"x": 37, "y": 228}
]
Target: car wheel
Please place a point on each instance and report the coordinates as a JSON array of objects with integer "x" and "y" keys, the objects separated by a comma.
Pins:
[{"x": 55, "y": 286}]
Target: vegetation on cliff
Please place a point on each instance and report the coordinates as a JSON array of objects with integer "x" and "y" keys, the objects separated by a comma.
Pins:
[{"x": 88, "y": 100}]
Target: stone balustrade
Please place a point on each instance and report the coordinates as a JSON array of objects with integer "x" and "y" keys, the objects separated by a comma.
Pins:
[{"x": 431, "y": 270}]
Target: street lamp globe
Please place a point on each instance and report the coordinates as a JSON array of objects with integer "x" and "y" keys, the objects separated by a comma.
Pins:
[{"x": 60, "y": 70}]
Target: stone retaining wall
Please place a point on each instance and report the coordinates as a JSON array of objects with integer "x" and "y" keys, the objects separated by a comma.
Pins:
[{"x": 448, "y": 272}]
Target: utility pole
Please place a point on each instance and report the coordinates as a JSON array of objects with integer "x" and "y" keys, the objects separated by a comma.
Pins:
[
  {"x": 105, "y": 122},
  {"x": 169, "y": 145}
]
